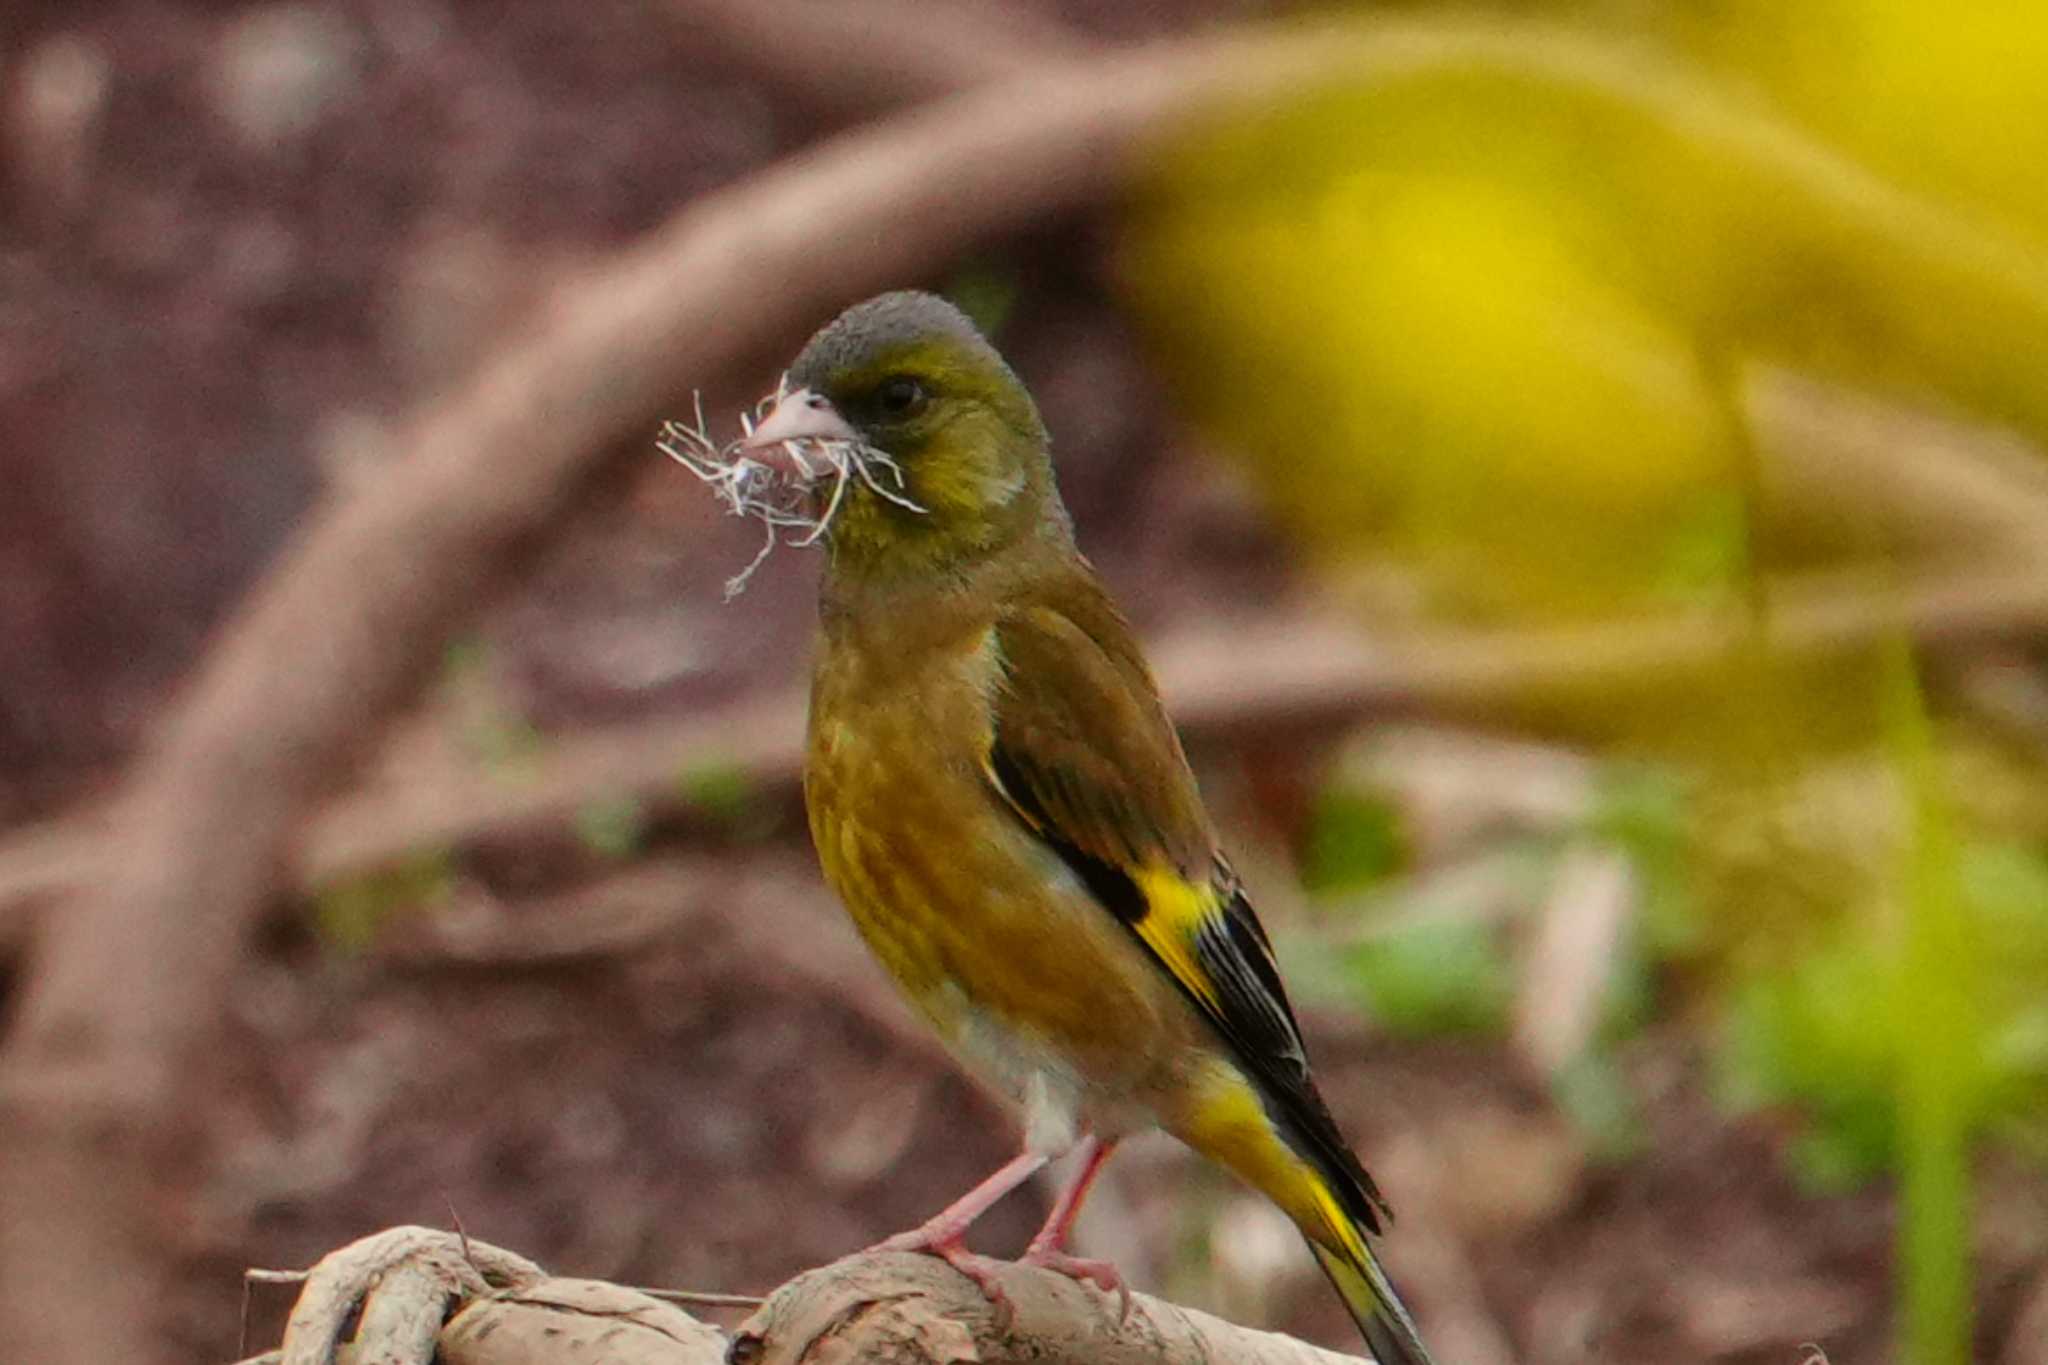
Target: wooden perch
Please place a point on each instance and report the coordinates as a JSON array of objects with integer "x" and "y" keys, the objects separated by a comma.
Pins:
[
  {"x": 500, "y": 1309},
  {"x": 916, "y": 1309}
]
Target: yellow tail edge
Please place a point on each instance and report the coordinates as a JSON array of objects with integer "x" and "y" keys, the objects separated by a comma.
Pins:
[{"x": 1374, "y": 1305}]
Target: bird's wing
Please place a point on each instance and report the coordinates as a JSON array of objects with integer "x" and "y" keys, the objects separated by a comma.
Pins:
[{"x": 1084, "y": 754}]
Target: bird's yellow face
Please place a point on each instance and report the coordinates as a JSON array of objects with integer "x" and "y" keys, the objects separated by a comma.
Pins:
[{"x": 951, "y": 455}]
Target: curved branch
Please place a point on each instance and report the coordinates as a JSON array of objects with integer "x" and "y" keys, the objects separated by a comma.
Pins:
[
  {"x": 398, "y": 1286},
  {"x": 861, "y": 57}
]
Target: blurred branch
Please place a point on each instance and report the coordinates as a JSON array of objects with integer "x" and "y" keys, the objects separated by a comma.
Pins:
[
  {"x": 1851, "y": 461},
  {"x": 1300, "y": 673},
  {"x": 857, "y": 58},
  {"x": 1568, "y": 963},
  {"x": 500, "y": 1309},
  {"x": 2007, "y": 690}
]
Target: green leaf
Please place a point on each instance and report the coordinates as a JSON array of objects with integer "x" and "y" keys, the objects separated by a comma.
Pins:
[
  {"x": 347, "y": 915},
  {"x": 726, "y": 795},
  {"x": 1646, "y": 811},
  {"x": 1354, "y": 840},
  {"x": 1819, "y": 1032},
  {"x": 1436, "y": 978}
]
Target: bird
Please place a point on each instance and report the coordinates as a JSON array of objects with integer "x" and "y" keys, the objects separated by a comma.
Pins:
[{"x": 999, "y": 798}]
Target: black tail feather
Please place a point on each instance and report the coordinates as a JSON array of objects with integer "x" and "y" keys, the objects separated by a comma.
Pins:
[{"x": 1375, "y": 1307}]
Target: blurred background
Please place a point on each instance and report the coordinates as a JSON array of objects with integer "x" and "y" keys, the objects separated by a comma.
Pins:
[{"x": 1624, "y": 445}]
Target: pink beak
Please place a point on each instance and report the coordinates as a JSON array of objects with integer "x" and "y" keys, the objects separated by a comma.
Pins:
[{"x": 800, "y": 415}]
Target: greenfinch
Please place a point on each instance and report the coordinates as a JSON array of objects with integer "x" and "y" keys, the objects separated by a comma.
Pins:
[{"x": 998, "y": 796}]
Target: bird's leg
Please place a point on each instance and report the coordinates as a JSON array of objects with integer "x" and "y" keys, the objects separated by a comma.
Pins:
[
  {"x": 941, "y": 1235},
  {"x": 1059, "y": 1224},
  {"x": 1049, "y": 1247}
]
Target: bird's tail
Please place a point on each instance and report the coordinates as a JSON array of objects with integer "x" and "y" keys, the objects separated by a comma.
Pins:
[
  {"x": 1284, "y": 1143},
  {"x": 1374, "y": 1305}
]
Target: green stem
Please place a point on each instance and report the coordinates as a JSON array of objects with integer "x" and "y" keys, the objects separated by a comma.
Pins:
[{"x": 1938, "y": 1036}]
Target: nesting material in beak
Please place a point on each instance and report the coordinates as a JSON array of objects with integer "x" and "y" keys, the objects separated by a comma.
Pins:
[
  {"x": 798, "y": 415},
  {"x": 794, "y": 444}
]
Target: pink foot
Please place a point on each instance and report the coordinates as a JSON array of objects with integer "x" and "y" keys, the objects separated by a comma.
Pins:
[
  {"x": 1102, "y": 1274},
  {"x": 983, "y": 1270}
]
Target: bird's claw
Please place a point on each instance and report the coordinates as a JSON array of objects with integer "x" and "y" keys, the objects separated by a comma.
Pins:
[
  {"x": 1102, "y": 1274},
  {"x": 984, "y": 1271},
  {"x": 943, "y": 1237}
]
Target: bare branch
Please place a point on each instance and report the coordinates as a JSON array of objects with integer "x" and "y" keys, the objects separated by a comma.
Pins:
[
  {"x": 417, "y": 1273},
  {"x": 1872, "y": 469},
  {"x": 568, "y": 1321},
  {"x": 890, "y": 1306},
  {"x": 861, "y": 57},
  {"x": 1303, "y": 672}
]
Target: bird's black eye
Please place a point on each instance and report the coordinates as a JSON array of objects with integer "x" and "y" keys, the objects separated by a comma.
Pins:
[{"x": 900, "y": 396}]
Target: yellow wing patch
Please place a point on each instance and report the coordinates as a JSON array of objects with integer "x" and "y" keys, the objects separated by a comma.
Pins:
[{"x": 1175, "y": 911}]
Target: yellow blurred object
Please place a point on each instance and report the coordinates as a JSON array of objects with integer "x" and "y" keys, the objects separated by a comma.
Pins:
[
  {"x": 1951, "y": 98},
  {"x": 1440, "y": 328},
  {"x": 1485, "y": 311}
]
